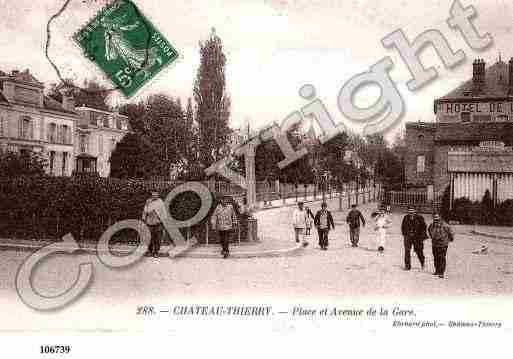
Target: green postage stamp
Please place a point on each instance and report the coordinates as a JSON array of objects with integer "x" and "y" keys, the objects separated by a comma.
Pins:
[{"x": 125, "y": 45}]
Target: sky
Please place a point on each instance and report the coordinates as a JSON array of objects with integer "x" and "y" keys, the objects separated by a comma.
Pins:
[{"x": 273, "y": 47}]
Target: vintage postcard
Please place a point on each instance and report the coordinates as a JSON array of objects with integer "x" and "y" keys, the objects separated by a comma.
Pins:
[{"x": 256, "y": 178}]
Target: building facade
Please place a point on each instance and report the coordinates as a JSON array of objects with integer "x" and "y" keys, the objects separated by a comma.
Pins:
[
  {"x": 469, "y": 146},
  {"x": 31, "y": 121},
  {"x": 97, "y": 134}
]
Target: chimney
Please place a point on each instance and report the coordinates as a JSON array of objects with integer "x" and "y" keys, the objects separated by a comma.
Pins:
[
  {"x": 68, "y": 101},
  {"x": 510, "y": 77},
  {"x": 478, "y": 75}
]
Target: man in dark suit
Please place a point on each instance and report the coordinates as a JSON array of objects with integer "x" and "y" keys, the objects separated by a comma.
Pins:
[
  {"x": 414, "y": 233},
  {"x": 324, "y": 222},
  {"x": 353, "y": 219}
]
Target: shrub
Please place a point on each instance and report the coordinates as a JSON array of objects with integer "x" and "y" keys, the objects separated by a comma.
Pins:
[
  {"x": 445, "y": 204},
  {"x": 487, "y": 209},
  {"x": 465, "y": 211},
  {"x": 13, "y": 164},
  {"x": 49, "y": 207},
  {"x": 505, "y": 213}
]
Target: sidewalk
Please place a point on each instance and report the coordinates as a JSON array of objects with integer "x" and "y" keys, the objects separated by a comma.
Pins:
[
  {"x": 310, "y": 198},
  {"x": 493, "y": 232}
]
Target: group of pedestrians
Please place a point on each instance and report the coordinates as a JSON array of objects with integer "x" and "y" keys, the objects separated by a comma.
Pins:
[
  {"x": 413, "y": 228},
  {"x": 302, "y": 219},
  {"x": 223, "y": 220}
]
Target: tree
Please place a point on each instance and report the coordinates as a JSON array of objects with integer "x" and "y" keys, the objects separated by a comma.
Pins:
[
  {"x": 487, "y": 209},
  {"x": 213, "y": 103},
  {"x": 135, "y": 113},
  {"x": 267, "y": 156},
  {"x": 166, "y": 130},
  {"x": 162, "y": 123},
  {"x": 134, "y": 157},
  {"x": 189, "y": 124},
  {"x": 15, "y": 164},
  {"x": 389, "y": 169},
  {"x": 331, "y": 158}
]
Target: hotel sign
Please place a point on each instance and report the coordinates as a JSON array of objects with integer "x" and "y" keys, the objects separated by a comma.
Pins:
[{"x": 475, "y": 107}]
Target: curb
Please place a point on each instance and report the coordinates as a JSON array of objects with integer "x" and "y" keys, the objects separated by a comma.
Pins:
[
  {"x": 173, "y": 251},
  {"x": 167, "y": 251},
  {"x": 246, "y": 254},
  {"x": 485, "y": 234}
]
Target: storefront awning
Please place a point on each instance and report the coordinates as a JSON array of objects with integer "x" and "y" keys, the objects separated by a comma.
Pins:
[{"x": 477, "y": 161}]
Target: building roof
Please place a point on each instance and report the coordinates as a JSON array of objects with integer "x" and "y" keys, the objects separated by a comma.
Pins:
[
  {"x": 496, "y": 84},
  {"x": 85, "y": 156},
  {"x": 54, "y": 105}
]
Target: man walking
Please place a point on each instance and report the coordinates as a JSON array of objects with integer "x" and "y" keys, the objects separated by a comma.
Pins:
[
  {"x": 441, "y": 234},
  {"x": 353, "y": 219},
  {"x": 324, "y": 222},
  {"x": 224, "y": 219},
  {"x": 299, "y": 218},
  {"x": 413, "y": 229},
  {"x": 150, "y": 216}
]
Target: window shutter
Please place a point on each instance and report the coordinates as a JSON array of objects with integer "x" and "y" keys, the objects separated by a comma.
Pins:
[
  {"x": 20, "y": 127},
  {"x": 31, "y": 129}
]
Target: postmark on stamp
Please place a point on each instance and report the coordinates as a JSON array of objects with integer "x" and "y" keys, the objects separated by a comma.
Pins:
[{"x": 125, "y": 45}]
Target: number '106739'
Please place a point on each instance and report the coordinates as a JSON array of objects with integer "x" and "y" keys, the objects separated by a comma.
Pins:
[{"x": 55, "y": 349}]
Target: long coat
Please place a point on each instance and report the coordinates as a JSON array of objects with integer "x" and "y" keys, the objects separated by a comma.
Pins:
[{"x": 414, "y": 227}]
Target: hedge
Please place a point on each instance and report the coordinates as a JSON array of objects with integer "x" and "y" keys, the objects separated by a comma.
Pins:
[
  {"x": 475, "y": 212},
  {"x": 49, "y": 207}
]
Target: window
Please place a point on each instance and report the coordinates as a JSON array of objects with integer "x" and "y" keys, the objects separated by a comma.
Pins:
[
  {"x": 83, "y": 143},
  {"x": 66, "y": 132},
  {"x": 26, "y": 128},
  {"x": 1, "y": 126},
  {"x": 52, "y": 132},
  {"x": 113, "y": 144},
  {"x": 421, "y": 163},
  {"x": 100, "y": 144},
  {"x": 105, "y": 121},
  {"x": 64, "y": 163},
  {"x": 465, "y": 117},
  {"x": 60, "y": 134},
  {"x": 501, "y": 118},
  {"x": 52, "y": 161},
  {"x": 118, "y": 123}
]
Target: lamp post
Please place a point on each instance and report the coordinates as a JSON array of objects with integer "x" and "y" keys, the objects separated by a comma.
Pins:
[{"x": 324, "y": 182}]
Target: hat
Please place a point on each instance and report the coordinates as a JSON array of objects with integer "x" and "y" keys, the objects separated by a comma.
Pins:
[
  {"x": 436, "y": 216},
  {"x": 155, "y": 194},
  {"x": 411, "y": 209}
]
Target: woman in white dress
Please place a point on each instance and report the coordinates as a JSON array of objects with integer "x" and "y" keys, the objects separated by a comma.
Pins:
[{"x": 382, "y": 222}]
